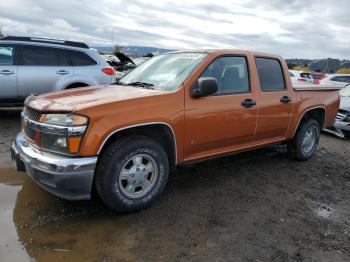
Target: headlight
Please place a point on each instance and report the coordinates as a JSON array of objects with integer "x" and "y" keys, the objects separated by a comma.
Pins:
[
  {"x": 66, "y": 135},
  {"x": 65, "y": 120}
]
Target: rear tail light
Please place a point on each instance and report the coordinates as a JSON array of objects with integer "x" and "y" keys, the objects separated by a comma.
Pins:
[
  {"x": 302, "y": 79},
  {"x": 316, "y": 82},
  {"x": 108, "y": 71}
]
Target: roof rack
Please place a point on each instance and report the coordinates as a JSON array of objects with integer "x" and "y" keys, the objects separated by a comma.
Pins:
[{"x": 45, "y": 40}]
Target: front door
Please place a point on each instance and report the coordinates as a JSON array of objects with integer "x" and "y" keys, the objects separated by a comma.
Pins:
[
  {"x": 8, "y": 72},
  {"x": 219, "y": 122}
]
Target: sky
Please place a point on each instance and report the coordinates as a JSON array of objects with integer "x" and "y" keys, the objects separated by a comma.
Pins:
[{"x": 292, "y": 28}]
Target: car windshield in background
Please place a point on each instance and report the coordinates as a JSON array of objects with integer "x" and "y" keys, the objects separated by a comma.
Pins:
[{"x": 164, "y": 72}]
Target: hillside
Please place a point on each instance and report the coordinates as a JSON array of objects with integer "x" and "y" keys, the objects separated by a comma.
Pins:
[{"x": 328, "y": 65}]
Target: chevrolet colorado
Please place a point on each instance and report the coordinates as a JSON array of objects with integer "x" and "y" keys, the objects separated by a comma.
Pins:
[{"x": 176, "y": 108}]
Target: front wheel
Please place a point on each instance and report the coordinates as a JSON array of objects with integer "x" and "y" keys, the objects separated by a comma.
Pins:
[
  {"x": 304, "y": 144},
  {"x": 131, "y": 174}
]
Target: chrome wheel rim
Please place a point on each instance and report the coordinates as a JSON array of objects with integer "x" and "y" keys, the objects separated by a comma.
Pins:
[
  {"x": 309, "y": 140},
  {"x": 138, "y": 176}
]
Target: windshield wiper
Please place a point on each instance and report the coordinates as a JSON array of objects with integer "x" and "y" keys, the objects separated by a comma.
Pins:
[{"x": 141, "y": 84}]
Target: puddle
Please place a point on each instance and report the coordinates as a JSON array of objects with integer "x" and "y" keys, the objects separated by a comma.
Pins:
[
  {"x": 36, "y": 226},
  {"x": 10, "y": 247},
  {"x": 9, "y": 176}
]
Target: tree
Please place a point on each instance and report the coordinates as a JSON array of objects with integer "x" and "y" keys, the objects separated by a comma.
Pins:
[
  {"x": 302, "y": 68},
  {"x": 291, "y": 65},
  {"x": 117, "y": 49},
  {"x": 343, "y": 71},
  {"x": 1, "y": 34}
]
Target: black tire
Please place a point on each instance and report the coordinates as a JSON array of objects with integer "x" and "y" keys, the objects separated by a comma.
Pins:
[
  {"x": 109, "y": 167},
  {"x": 295, "y": 147}
]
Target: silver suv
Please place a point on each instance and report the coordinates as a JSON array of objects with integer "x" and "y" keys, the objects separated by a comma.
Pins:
[{"x": 40, "y": 65}]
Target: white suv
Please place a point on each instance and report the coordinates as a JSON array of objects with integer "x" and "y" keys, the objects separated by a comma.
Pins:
[{"x": 40, "y": 65}]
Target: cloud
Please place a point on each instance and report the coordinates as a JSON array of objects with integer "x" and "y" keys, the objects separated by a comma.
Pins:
[
  {"x": 308, "y": 29},
  {"x": 62, "y": 24}
]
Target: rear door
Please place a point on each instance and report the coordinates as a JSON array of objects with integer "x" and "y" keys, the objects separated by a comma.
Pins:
[
  {"x": 8, "y": 72},
  {"x": 275, "y": 100},
  {"x": 42, "y": 69},
  {"x": 86, "y": 69}
]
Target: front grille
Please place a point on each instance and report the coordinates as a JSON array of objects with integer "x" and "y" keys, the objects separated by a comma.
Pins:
[
  {"x": 342, "y": 115},
  {"x": 32, "y": 114},
  {"x": 30, "y": 133}
]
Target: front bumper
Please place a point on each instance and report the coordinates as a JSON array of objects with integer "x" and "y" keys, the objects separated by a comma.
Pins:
[
  {"x": 345, "y": 126},
  {"x": 67, "y": 177}
]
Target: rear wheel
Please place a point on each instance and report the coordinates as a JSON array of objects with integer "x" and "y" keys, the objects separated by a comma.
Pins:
[
  {"x": 304, "y": 144},
  {"x": 131, "y": 174}
]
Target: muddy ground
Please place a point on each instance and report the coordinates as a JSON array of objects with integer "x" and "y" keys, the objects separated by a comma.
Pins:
[{"x": 254, "y": 206}]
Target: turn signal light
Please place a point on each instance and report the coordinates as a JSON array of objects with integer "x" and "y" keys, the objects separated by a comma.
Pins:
[{"x": 74, "y": 144}]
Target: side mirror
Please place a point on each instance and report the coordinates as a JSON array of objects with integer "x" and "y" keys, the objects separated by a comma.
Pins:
[{"x": 205, "y": 86}]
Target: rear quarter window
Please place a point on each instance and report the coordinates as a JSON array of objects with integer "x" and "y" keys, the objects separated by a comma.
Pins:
[
  {"x": 270, "y": 74},
  {"x": 80, "y": 59}
]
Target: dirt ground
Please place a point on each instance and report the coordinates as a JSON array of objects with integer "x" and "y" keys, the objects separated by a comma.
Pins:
[{"x": 255, "y": 206}]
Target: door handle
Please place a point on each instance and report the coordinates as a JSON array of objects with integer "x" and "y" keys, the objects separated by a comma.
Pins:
[
  {"x": 62, "y": 72},
  {"x": 7, "y": 72},
  {"x": 248, "y": 103},
  {"x": 285, "y": 99}
]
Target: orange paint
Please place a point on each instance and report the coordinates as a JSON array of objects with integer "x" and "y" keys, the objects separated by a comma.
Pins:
[{"x": 203, "y": 127}]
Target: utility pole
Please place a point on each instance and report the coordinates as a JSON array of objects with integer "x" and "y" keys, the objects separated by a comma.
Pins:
[{"x": 112, "y": 46}]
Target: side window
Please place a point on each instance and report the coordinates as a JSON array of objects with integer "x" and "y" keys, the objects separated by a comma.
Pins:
[
  {"x": 6, "y": 55},
  {"x": 80, "y": 58},
  {"x": 306, "y": 75},
  {"x": 336, "y": 78},
  {"x": 63, "y": 58},
  {"x": 344, "y": 79},
  {"x": 270, "y": 74},
  {"x": 231, "y": 73},
  {"x": 38, "y": 56}
]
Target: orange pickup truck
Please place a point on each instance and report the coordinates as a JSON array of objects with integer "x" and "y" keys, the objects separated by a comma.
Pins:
[{"x": 176, "y": 108}]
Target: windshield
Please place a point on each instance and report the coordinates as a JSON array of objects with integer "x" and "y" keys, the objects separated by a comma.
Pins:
[
  {"x": 345, "y": 91},
  {"x": 164, "y": 72}
]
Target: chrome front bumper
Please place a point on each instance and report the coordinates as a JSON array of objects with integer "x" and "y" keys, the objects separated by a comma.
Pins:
[
  {"x": 342, "y": 125},
  {"x": 67, "y": 177}
]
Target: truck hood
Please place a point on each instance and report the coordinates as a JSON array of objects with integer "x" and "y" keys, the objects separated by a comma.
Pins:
[
  {"x": 79, "y": 98},
  {"x": 124, "y": 58}
]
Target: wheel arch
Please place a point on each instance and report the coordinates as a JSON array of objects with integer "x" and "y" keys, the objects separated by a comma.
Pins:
[
  {"x": 75, "y": 85},
  {"x": 161, "y": 132},
  {"x": 318, "y": 113}
]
